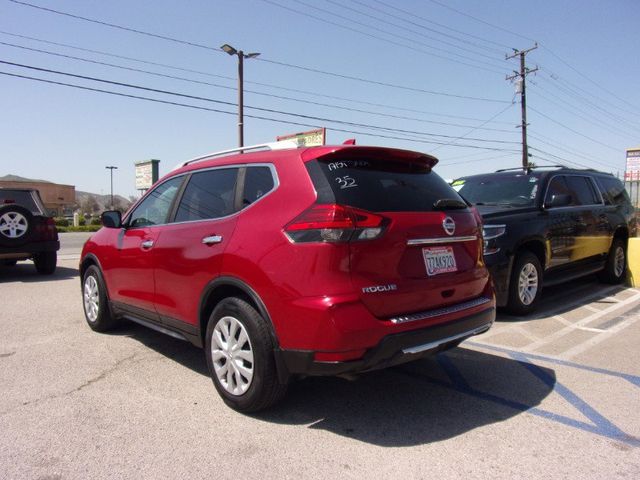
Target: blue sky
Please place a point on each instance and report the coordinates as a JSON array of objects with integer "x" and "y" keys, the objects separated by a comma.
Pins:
[{"x": 583, "y": 101}]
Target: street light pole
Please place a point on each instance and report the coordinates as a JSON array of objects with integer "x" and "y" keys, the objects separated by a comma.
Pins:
[
  {"x": 241, "y": 56},
  {"x": 111, "y": 169}
]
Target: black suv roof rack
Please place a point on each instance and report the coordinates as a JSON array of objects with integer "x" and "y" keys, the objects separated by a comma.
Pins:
[{"x": 532, "y": 167}]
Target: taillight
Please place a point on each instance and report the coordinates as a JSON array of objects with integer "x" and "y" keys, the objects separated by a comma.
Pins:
[
  {"x": 47, "y": 229},
  {"x": 335, "y": 223}
]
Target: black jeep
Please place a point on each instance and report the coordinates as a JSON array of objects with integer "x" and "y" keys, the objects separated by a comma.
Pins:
[
  {"x": 26, "y": 231},
  {"x": 549, "y": 225}
]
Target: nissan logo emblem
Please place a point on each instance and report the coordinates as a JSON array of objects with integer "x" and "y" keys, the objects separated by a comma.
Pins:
[{"x": 449, "y": 225}]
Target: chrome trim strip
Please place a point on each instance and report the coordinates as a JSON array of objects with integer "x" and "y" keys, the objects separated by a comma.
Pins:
[
  {"x": 414, "y": 317},
  {"x": 437, "y": 241},
  {"x": 437, "y": 343}
]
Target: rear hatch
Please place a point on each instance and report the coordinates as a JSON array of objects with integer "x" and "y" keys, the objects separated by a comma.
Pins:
[{"x": 429, "y": 253}]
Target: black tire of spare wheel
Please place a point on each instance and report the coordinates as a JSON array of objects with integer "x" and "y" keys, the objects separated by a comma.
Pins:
[
  {"x": 10, "y": 263},
  {"x": 104, "y": 320},
  {"x": 45, "y": 262},
  {"x": 515, "y": 305},
  {"x": 613, "y": 273},
  {"x": 7, "y": 212},
  {"x": 264, "y": 389}
]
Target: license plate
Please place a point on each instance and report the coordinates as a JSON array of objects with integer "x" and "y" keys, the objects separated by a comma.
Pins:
[{"x": 439, "y": 260}]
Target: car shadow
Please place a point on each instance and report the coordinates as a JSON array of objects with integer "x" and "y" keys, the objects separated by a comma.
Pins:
[
  {"x": 25, "y": 272},
  {"x": 417, "y": 403},
  {"x": 562, "y": 298}
]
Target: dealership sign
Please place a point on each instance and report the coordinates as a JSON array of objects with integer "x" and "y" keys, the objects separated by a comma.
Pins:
[
  {"x": 632, "y": 170},
  {"x": 146, "y": 174},
  {"x": 311, "y": 138}
]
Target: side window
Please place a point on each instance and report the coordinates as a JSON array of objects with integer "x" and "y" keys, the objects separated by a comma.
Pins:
[
  {"x": 257, "y": 183},
  {"x": 209, "y": 194},
  {"x": 557, "y": 186},
  {"x": 154, "y": 209},
  {"x": 581, "y": 190},
  {"x": 613, "y": 191}
]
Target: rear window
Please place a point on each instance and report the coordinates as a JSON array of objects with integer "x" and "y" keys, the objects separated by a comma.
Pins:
[
  {"x": 613, "y": 191},
  {"x": 17, "y": 197},
  {"x": 380, "y": 184},
  {"x": 512, "y": 190}
]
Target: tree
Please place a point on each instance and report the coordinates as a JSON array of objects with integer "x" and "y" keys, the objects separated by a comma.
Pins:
[{"x": 90, "y": 205}]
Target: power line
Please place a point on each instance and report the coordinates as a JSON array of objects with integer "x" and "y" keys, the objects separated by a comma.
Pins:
[
  {"x": 119, "y": 27},
  {"x": 351, "y": 29},
  {"x": 287, "y": 122},
  {"x": 571, "y": 152},
  {"x": 269, "y": 95},
  {"x": 268, "y": 85},
  {"x": 464, "y": 48},
  {"x": 269, "y": 110},
  {"x": 481, "y": 21},
  {"x": 414, "y": 15}
]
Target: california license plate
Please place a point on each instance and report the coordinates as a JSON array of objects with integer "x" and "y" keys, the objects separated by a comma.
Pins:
[{"x": 439, "y": 260}]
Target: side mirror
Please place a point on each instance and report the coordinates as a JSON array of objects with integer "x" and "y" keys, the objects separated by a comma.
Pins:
[
  {"x": 561, "y": 200},
  {"x": 111, "y": 219}
]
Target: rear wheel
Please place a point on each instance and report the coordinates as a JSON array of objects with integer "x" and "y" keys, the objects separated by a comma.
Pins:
[
  {"x": 525, "y": 284},
  {"x": 95, "y": 302},
  {"x": 45, "y": 262},
  {"x": 239, "y": 351},
  {"x": 10, "y": 263},
  {"x": 615, "y": 269}
]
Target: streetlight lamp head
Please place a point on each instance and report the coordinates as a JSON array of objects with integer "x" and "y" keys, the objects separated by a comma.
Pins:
[
  {"x": 252, "y": 55},
  {"x": 229, "y": 49}
]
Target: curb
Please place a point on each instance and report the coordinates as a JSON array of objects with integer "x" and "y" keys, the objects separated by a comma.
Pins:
[{"x": 633, "y": 261}]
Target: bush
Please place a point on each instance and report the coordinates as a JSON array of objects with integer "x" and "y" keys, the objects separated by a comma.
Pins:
[
  {"x": 95, "y": 221},
  {"x": 84, "y": 228},
  {"x": 61, "y": 222}
]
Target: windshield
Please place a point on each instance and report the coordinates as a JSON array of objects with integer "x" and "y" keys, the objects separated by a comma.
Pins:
[{"x": 513, "y": 190}]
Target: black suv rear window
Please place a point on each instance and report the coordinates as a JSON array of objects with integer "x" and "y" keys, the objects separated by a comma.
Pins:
[
  {"x": 380, "y": 185},
  {"x": 19, "y": 197}
]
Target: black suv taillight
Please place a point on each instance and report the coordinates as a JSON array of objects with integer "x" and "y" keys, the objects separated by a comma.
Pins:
[{"x": 334, "y": 223}]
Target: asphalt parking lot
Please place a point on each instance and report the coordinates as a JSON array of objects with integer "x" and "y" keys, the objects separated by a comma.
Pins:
[{"x": 555, "y": 395}]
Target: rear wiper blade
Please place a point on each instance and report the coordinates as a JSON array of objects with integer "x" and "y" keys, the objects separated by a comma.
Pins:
[{"x": 449, "y": 204}]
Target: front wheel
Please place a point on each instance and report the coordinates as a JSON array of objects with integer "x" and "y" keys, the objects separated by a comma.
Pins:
[
  {"x": 615, "y": 269},
  {"x": 95, "y": 302},
  {"x": 239, "y": 351},
  {"x": 525, "y": 284}
]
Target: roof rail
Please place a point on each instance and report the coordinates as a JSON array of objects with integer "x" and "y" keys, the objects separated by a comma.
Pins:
[
  {"x": 282, "y": 145},
  {"x": 531, "y": 168}
]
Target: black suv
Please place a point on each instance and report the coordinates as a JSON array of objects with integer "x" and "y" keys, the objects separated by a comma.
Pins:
[
  {"x": 547, "y": 226},
  {"x": 26, "y": 231}
]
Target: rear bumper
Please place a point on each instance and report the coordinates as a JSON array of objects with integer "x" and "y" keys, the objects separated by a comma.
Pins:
[
  {"x": 29, "y": 249},
  {"x": 393, "y": 349}
]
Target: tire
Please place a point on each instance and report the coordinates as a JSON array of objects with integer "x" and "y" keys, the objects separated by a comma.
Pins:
[
  {"x": 95, "y": 302},
  {"x": 615, "y": 270},
  {"x": 238, "y": 336},
  {"x": 10, "y": 263},
  {"x": 45, "y": 262},
  {"x": 525, "y": 284},
  {"x": 16, "y": 225}
]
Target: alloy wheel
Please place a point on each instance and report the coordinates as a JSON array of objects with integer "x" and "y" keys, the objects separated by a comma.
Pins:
[
  {"x": 13, "y": 225},
  {"x": 91, "y": 298},
  {"x": 619, "y": 262},
  {"x": 528, "y": 284}
]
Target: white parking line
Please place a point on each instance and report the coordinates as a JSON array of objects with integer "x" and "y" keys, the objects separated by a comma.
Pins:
[{"x": 564, "y": 331}]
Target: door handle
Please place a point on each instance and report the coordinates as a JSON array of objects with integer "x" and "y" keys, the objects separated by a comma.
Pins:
[
  {"x": 212, "y": 239},
  {"x": 147, "y": 244}
]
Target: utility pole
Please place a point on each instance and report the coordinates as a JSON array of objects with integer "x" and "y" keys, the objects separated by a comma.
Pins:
[
  {"x": 521, "y": 75},
  {"x": 111, "y": 168}
]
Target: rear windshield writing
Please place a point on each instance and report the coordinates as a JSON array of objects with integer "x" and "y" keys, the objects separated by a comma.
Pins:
[{"x": 379, "y": 185}]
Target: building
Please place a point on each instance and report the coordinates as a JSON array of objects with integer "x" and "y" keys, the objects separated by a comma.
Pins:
[{"x": 58, "y": 199}]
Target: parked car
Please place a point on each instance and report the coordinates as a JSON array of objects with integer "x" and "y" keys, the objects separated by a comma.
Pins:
[
  {"x": 283, "y": 263},
  {"x": 549, "y": 225},
  {"x": 26, "y": 230}
]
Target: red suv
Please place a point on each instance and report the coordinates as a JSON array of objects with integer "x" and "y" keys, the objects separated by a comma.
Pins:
[{"x": 294, "y": 261}]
